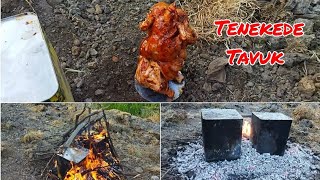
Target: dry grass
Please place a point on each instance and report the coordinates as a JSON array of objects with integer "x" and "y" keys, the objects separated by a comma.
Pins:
[
  {"x": 155, "y": 117},
  {"x": 57, "y": 123},
  {"x": 304, "y": 111},
  {"x": 32, "y": 135},
  {"x": 275, "y": 11},
  {"x": 202, "y": 14},
  {"x": 38, "y": 108},
  {"x": 154, "y": 169},
  {"x": 296, "y": 45},
  {"x": 177, "y": 116}
]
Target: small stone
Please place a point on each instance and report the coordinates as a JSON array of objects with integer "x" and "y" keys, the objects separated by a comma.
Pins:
[
  {"x": 98, "y": 9},
  {"x": 266, "y": 76},
  {"x": 87, "y": 55},
  {"x": 306, "y": 123},
  {"x": 294, "y": 58},
  {"x": 54, "y": 2},
  {"x": 216, "y": 86},
  {"x": 207, "y": 87},
  {"x": 88, "y": 100},
  {"x": 63, "y": 59},
  {"x": 75, "y": 50},
  {"x": 316, "y": 24},
  {"x": 92, "y": 64},
  {"x": 94, "y": 45},
  {"x": 308, "y": 25},
  {"x": 250, "y": 84},
  {"x": 99, "y": 92},
  {"x": 306, "y": 86},
  {"x": 247, "y": 69},
  {"x": 316, "y": 8},
  {"x": 76, "y": 42},
  {"x": 115, "y": 59},
  {"x": 91, "y": 10},
  {"x": 80, "y": 83},
  {"x": 316, "y": 77},
  {"x": 4, "y": 146},
  {"x": 216, "y": 65},
  {"x": 155, "y": 178},
  {"x": 82, "y": 54},
  {"x": 63, "y": 65},
  {"x": 205, "y": 56},
  {"x": 306, "y": 39},
  {"x": 280, "y": 92},
  {"x": 95, "y": 2},
  {"x": 93, "y": 52},
  {"x": 139, "y": 170}
]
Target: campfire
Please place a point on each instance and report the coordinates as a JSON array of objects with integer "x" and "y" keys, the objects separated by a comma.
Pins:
[{"x": 88, "y": 153}]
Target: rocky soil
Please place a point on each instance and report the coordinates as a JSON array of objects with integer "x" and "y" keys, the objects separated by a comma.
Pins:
[
  {"x": 31, "y": 134},
  {"x": 181, "y": 126},
  {"x": 97, "y": 43}
]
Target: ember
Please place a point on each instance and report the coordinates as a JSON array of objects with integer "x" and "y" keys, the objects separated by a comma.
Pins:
[
  {"x": 298, "y": 162},
  {"x": 246, "y": 128}
]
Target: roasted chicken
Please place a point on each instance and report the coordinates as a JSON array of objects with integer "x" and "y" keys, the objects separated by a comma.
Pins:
[{"x": 163, "y": 51}]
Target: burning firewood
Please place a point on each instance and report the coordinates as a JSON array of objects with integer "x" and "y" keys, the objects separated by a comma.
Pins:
[
  {"x": 88, "y": 153},
  {"x": 163, "y": 51}
]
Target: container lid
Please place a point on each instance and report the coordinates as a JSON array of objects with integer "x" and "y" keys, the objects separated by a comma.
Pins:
[
  {"x": 220, "y": 114},
  {"x": 271, "y": 116},
  {"x": 27, "y": 72}
]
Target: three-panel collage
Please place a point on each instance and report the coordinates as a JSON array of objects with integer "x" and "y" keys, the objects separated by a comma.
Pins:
[{"x": 160, "y": 89}]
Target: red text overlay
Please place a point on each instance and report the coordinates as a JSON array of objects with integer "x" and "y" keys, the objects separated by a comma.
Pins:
[{"x": 257, "y": 30}]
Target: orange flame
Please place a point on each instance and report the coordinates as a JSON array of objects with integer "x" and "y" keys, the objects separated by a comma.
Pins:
[
  {"x": 94, "y": 162},
  {"x": 246, "y": 129}
]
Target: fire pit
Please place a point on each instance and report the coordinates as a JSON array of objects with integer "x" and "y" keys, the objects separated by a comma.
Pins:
[
  {"x": 185, "y": 153},
  {"x": 88, "y": 153}
]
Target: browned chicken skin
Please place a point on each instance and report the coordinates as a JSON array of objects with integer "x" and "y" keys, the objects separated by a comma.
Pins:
[{"x": 163, "y": 51}]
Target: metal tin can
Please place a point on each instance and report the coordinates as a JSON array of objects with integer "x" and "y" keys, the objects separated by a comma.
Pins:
[{"x": 30, "y": 69}]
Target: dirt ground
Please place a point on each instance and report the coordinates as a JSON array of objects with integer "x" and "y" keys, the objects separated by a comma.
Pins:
[
  {"x": 31, "y": 134},
  {"x": 97, "y": 43},
  {"x": 181, "y": 125}
]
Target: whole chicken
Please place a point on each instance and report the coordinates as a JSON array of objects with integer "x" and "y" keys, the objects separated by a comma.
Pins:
[{"x": 163, "y": 51}]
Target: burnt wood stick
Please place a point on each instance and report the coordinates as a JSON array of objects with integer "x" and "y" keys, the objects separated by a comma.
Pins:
[
  {"x": 78, "y": 115},
  {"x": 52, "y": 176},
  {"x": 47, "y": 164},
  {"x": 114, "y": 153},
  {"x": 70, "y": 130}
]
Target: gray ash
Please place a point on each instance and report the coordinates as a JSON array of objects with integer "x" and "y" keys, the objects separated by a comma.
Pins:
[{"x": 298, "y": 162}]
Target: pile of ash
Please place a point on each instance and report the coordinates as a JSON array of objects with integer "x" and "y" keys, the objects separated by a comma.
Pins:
[{"x": 298, "y": 162}]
